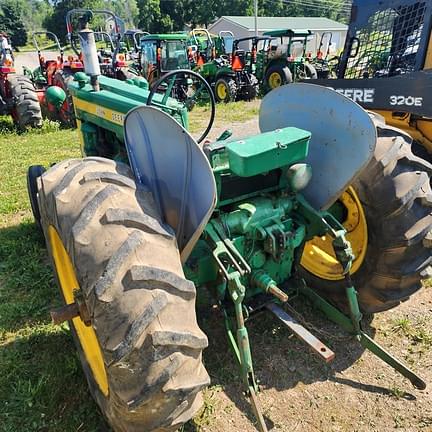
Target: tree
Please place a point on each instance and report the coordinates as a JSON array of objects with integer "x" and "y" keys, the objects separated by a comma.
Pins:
[
  {"x": 56, "y": 22},
  {"x": 11, "y": 23},
  {"x": 34, "y": 12},
  {"x": 152, "y": 18},
  {"x": 125, "y": 9}
]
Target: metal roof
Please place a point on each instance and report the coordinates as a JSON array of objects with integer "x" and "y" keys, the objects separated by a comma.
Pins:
[{"x": 275, "y": 23}]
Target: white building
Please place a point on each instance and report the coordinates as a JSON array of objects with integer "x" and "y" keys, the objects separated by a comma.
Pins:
[{"x": 244, "y": 26}]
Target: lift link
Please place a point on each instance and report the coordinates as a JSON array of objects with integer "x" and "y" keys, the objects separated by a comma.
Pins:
[
  {"x": 344, "y": 254},
  {"x": 233, "y": 267}
]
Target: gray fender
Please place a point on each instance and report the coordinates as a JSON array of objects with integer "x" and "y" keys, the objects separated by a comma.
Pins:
[
  {"x": 168, "y": 161},
  {"x": 343, "y": 135}
]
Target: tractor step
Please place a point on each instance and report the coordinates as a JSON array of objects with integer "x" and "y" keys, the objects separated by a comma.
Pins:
[{"x": 302, "y": 333}]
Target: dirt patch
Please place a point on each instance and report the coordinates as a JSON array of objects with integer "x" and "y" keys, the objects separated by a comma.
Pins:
[
  {"x": 356, "y": 392},
  {"x": 30, "y": 60}
]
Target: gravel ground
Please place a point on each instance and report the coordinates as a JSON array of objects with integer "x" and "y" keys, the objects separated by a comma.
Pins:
[{"x": 30, "y": 59}]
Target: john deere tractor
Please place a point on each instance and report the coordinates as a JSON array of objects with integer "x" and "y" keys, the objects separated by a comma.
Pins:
[
  {"x": 326, "y": 203},
  {"x": 162, "y": 53},
  {"x": 228, "y": 75},
  {"x": 285, "y": 62}
]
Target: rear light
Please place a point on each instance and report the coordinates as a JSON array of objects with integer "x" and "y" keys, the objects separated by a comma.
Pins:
[
  {"x": 70, "y": 58},
  {"x": 8, "y": 62}
]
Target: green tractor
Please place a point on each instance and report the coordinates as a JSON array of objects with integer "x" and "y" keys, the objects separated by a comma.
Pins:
[
  {"x": 285, "y": 62},
  {"x": 162, "y": 53},
  {"x": 327, "y": 203},
  {"x": 228, "y": 76}
]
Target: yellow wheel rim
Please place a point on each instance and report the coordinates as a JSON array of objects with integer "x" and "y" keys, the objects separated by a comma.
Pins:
[
  {"x": 221, "y": 91},
  {"x": 275, "y": 80},
  {"x": 86, "y": 335},
  {"x": 318, "y": 256}
]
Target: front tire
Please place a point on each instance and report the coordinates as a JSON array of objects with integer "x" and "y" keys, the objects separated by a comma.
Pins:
[
  {"x": 396, "y": 197},
  {"x": 128, "y": 271}
]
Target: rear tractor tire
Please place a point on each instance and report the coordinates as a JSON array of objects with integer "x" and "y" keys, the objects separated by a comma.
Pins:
[
  {"x": 142, "y": 349},
  {"x": 396, "y": 249},
  {"x": 27, "y": 111}
]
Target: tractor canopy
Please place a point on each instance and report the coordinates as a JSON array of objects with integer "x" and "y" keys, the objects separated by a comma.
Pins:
[
  {"x": 169, "y": 51},
  {"x": 288, "y": 33}
]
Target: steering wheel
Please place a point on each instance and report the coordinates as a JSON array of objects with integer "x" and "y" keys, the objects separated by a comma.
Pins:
[{"x": 177, "y": 85}]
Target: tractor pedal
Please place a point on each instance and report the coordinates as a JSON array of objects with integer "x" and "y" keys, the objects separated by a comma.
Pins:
[{"x": 302, "y": 333}]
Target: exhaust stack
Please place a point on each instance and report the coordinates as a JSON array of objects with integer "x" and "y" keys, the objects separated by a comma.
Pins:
[{"x": 90, "y": 57}]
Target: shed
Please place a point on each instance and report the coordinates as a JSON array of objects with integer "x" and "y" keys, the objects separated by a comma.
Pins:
[{"x": 244, "y": 26}]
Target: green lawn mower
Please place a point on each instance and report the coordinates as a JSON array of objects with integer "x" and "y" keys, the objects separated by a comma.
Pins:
[{"x": 327, "y": 203}]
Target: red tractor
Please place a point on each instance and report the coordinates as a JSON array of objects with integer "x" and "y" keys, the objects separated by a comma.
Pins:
[
  {"x": 17, "y": 93},
  {"x": 51, "y": 78}
]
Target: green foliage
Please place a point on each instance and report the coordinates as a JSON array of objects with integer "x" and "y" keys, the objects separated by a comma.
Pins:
[
  {"x": 11, "y": 22},
  {"x": 126, "y": 10},
  {"x": 56, "y": 22},
  {"x": 34, "y": 12},
  {"x": 152, "y": 18},
  {"x": 158, "y": 16}
]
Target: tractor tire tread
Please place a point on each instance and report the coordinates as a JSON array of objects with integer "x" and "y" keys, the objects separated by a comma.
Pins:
[
  {"x": 27, "y": 107},
  {"x": 148, "y": 333},
  {"x": 396, "y": 195}
]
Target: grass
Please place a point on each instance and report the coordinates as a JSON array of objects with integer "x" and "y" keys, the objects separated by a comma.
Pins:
[
  {"x": 41, "y": 384},
  {"x": 226, "y": 114}
]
